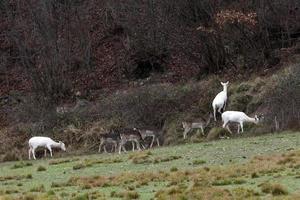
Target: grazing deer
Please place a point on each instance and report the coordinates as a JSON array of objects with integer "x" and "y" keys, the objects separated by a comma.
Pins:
[
  {"x": 129, "y": 135},
  {"x": 154, "y": 134},
  {"x": 220, "y": 100},
  {"x": 197, "y": 124},
  {"x": 238, "y": 117},
  {"x": 109, "y": 138},
  {"x": 44, "y": 142}
]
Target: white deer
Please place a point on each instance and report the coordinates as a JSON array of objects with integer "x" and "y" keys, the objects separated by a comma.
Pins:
[
  {"x": 45, "y": 142},
  {"x": 220, "y": 100},
  {"x": 237, "y": 117}
]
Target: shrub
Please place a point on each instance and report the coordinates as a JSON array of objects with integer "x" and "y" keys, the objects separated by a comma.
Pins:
[
  {"x": 82, "y": 197},
  {"x": 284, "y": 97},
  {"x": 79, "y": 166},
  {"x": 222, "y": 182},
  {"x": 57, "y": 162},
  {"x": 275, "y": 189},
  {"x": 21, "y": 165},
  {"x": 216, "y": 133},
  {"x": 131, "y": 195},
  {"x": 199, "y": 162},
  {"x": 174, "y": 169},
  {"x": 10, "y": 156},
  {"x": 254, "y": 175},
  {"x": 39, "y": 188},
  {"x": 29, "y": 176},
  {"x": 41, "y": 168}
]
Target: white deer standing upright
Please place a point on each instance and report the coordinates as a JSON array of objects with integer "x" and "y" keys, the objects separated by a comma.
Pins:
[{"x": 220, "y": 100}]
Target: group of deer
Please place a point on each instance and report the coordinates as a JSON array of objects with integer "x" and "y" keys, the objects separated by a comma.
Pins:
[
  {"x": 119, "y": 137},
  {"x": 219, "y": 104}
]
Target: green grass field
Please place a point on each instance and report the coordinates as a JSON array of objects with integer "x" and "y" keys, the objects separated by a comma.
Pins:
[{"x": 262, "y": 167}]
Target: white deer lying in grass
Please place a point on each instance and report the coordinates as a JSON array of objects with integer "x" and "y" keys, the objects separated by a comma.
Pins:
[
  {"x": 237, "y": 117},
  {"x": 45, "y": 142},
  {"x": 220, "y": 100}
]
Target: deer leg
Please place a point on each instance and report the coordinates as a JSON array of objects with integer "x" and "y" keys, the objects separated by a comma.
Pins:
[
  {"x": 121, "y": 147},
  {"x": 115, "y": 145},
  {"x": 202, "y": 129},
  {"x": 215, "y": 113},
  {"x": 138, "y": 145},
  {"x": 153, "y": 137},
  {"x": 225, "y": 124},
  {"x": 104, "y": 147},
  {"x": 238, "y": 130},
  {"x": 33, "y": 154},
  {"x": 157, "y": 141},
  {"x": 241, "y": 124},
  {"x": 29, "y": 152},
  {"x": 49, "y": 148},
  {"x": 132, "y": 143},
  {"x": 186, "y": 132},
  {"x": 124, "y": 149},
  {"x": 112, "y": 148},
  {"x": 45, "y": 153},
  {"x": 227, "y": 127},
  {"x": 143, "y": 146},
  {"x": 224, "y": 106},
  {"x": 100, "y": 146}
]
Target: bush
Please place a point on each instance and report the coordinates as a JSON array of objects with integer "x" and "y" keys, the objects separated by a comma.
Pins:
[
  {"x": 21, "y": 165},
  {"x": 199, "y": 162},
  {"x": 216, "y": 133},
  {"x": 275, "y": 189},
  {"x": 173, "y": 169},
  {"x": 10, "y": 156},
  {"x": 41, "y": 168},
  {"x": 79, "y": 166},
  {"x": 284, "y": 100},
  {"x": 39, "y": 188}
]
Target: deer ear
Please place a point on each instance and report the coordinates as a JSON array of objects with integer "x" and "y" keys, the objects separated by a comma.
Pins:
[{"x": 227, "y": 82}]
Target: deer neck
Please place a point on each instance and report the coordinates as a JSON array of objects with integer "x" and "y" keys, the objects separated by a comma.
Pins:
[
  {"x": 208, "y": 121},
  {"x": 250, "y": 119},
  {"x": 55, "y": 145},
  {"x": 225, "y": 89}
]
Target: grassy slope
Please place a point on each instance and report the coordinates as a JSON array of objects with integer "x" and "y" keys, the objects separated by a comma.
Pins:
[{"x": 226, "y": 153}]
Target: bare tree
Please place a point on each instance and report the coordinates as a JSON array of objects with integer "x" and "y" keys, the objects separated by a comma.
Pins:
[{"x": 52, "y": 40}]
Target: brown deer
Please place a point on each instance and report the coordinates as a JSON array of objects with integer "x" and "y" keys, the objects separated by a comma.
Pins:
[
  {"x": 154, "y": 134},
  {"x": 109, "y": 138},
  {"x": 129, "y": 135},
  {"x": 196, "y": 124}
]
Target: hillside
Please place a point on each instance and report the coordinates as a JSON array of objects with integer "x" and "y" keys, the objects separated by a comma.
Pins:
[
  {"x": 73, "y": 70},
  {"x": 264, "y": 167}
]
